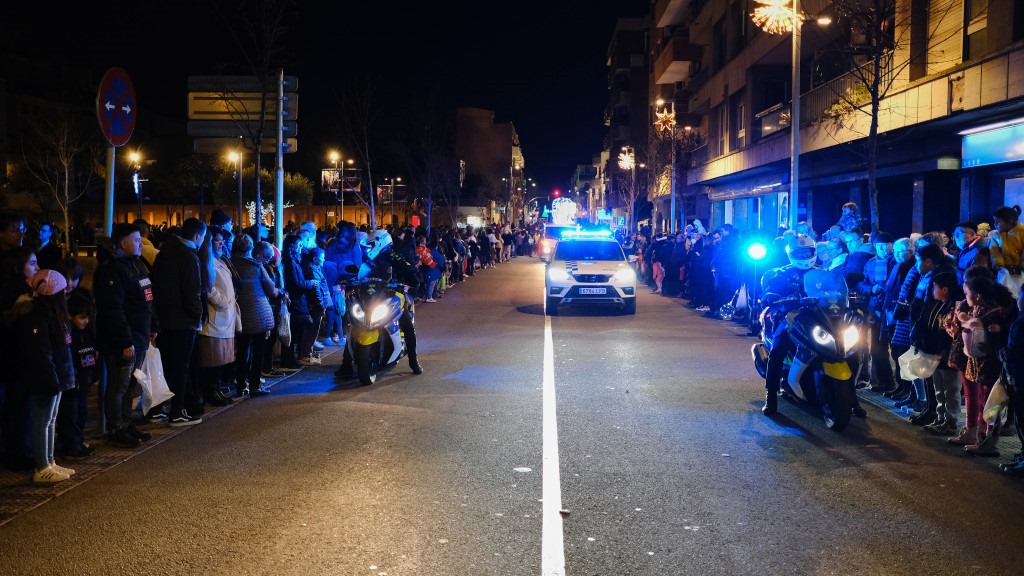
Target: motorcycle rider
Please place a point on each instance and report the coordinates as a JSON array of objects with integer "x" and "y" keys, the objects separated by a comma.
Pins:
[
  {"x": 382, "y": 261},
  {"x": 777, "y": 284}
]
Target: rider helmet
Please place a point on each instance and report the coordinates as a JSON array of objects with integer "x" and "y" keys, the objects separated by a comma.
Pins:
[
  {"x": 379, "y": 244},
  {"x": 802, "y": 252}
]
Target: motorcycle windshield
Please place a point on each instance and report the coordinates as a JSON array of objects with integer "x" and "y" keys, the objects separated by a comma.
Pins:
[{"x": 828, "y": 288}]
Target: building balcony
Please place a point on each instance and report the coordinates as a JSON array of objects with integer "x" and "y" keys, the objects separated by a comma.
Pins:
[
  {"x": 670, "y": 12},
  {"x": 673, "y": 64}
]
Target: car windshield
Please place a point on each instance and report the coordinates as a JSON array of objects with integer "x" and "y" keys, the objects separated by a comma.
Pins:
[{"x": 570, "y": 250}]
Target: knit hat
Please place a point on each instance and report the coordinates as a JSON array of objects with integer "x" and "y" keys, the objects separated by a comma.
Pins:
[{"x": 47, "y": 283}]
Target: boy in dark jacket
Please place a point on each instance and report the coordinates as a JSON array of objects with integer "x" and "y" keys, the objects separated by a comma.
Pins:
[
  {"x": 1012, "y": 357},
  {"x": 74, "y": 404}
]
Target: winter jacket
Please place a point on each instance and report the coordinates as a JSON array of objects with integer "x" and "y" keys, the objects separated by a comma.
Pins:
[
  {"x": 295, "y": 281},
  {"x": 222, "y": 308},
  {"x": 972, "y": 255},
  {"x": 124, "y": 305},
  {"x": 876, "y": 272},
  {"x": 253, "y": 289},
  {"x": 1012, "y": 355},
  {"x": 177, "y": 285},
  {"x": 1007, "y": 248},
  {"x": 902, "y": 311},
  {"x": 318, "y": 296},
  {"x": 44, "y": 358}
]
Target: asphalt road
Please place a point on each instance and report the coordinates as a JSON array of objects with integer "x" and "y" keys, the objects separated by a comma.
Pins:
[{"x": 665, "y": 465}]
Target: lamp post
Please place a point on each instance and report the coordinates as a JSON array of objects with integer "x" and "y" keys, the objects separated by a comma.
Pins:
[
  {"x": 236, "y": 158},
  {"x": 137, "y": 180},
  {"x": 394, "y": 220},
  {"x": 627, "y": 161},
  {"x": 666, "y": 122},
  {"x": 779, "y": 17}
]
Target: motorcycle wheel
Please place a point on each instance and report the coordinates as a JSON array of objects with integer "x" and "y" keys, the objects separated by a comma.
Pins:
[
  {"x": 836, "y": 401},
  {"x": 366, "y": 365}
]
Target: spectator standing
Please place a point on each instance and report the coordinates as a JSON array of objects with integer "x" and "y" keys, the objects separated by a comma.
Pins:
[
  {"x": 125, "y": 325},
  {"x": 429, "y": 267},
  {"x": 19, "y": 265},
  {"x": 47, "y": 252},
  {"x": 178, "y": 302},
  {"x": 726, "y": 267},
  {"x": 318, "y": 302},
  {"x": 872, "y": 285},
  {"x": 932, "y": 338},
  {"x": 149, "y": 250},
  {"x": 270, "y": 257},
  {"x": 972, "y": 249},
  {"x": 298, "y": 287},
  {"x": 904, "y": 255},
  {"x": 254, "y": 290},
  {"x": 216, "y": 339},
  {"x": 1012, "y": 357},
  {"x": 1007, "y": 248},
  {"x": 73, "y": 409}
]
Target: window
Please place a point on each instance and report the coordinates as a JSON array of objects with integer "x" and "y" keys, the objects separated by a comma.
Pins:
[
  {"x": 723, "y": 128},
  {"x": 976, "y": 26}
]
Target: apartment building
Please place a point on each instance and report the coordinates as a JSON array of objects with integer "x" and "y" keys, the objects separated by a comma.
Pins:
[{"x": 950, "y": 122}]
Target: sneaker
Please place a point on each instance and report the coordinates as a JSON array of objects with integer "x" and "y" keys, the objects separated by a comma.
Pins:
[
  {"x": 336, "y": 339},
  {"x": 123, "y": 438},
  {"x": 141, "y": 435},
  {"x": 70, "y": 472},
  {"x": 80, "y": 453},
  {"x": 258, "y": 391},
  {"x": 310, "y": 361},
  {"x": 290, "y": 369},
  {"x": 318, "y": 346},
  {"x": 430, "y": 300},
  {"x": 967, "y": 437},
  {"x": 183, "y": 419},
  {"x": 944, "y": 428},
  {"x": 49, "y": 475},
  {"x": 1016, "y": 468},
  {"x": 156, "y": 417},
  {"x": 272, "y": 374}
]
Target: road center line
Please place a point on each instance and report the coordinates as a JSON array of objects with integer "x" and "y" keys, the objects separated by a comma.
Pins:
[{"x": 552, "y": 538}]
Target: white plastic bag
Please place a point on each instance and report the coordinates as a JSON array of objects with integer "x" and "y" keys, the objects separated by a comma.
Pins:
[
  {"x": 918, "y": 364},
  {"x": 284, "y": 326},
  {"x": 151, "y": 378}
]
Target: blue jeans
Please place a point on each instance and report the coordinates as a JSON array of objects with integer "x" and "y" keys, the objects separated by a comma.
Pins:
[{"x": 44, "y": 425}]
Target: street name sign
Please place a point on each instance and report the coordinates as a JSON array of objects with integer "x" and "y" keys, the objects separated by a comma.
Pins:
[
  {"x": 226, "y": 84},
  {"x": 116, "y": 107},
  {"x": 220, "y": 145},
  {"x": 231, "y": 129}
]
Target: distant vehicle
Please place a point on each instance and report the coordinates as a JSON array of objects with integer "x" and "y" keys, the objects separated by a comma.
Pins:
[
  {"x": 552, "y": 233},
  {"x": 589, "y": 269}
]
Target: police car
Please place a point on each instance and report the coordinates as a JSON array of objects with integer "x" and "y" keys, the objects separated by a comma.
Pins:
[{"x": 589, "y": 269}]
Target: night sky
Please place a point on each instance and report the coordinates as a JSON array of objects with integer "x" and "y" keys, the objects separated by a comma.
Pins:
[{"x": 539, "y": 64}]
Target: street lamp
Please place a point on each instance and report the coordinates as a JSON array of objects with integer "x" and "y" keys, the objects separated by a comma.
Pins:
[
  {"x": 236, "y": 158},
  {"x": 666, "y": 122},
  {"x": 779, "y": 17},
  {"x": 394, "y": 221},
  {"x": 339, "y": 174},
  {"x": 137, "y": 181}
]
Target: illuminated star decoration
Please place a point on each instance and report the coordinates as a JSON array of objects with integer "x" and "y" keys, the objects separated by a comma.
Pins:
[
  {"x": 665, "y": 121},
  {"x": 626, "y": 161},
  {"x": 775, "y": 16}
]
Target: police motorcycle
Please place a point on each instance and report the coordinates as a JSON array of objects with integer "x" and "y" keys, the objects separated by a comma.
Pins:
[
  {"x": 378, "y": 309},
  {"x": 821, "y": 364}
]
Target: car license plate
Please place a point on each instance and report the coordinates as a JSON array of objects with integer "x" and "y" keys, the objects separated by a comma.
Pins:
[{"x": 593, "y": 290}]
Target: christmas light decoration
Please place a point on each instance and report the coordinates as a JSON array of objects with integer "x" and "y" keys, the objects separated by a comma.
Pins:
[{"x": 775, "y": 16}]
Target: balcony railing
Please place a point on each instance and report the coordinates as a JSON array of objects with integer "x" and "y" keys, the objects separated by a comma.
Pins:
[{"x": 831, "y": 98}]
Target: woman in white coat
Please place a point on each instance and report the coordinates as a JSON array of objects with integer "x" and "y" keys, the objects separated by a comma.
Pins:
[{"x": 216, "y": 342}]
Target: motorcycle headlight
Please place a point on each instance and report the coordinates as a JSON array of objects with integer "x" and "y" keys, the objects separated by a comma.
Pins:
[
  {"x": 624, "y": 275},
  {"x": 559, "y": 274},
  {"x": 379, "y": 313},
  {"x": 823, "y": 338},
  {"x": 850, "y": 337},
  {"x": 357, "y": 312}
]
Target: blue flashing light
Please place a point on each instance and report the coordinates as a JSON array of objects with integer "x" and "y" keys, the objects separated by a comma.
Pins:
[
  {"x": 757, "y": 251},
  {"x": 586, "y": 234}
]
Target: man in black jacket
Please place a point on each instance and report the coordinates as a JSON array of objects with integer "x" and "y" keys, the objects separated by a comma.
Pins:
[
  {"x": 124, "y": 327},
  {"x": 178, "y": 301}
]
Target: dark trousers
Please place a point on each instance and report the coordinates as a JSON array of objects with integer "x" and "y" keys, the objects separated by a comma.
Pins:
[
  {"x": 1015, "y": 390},
  {"x": 880, "y": 355},
  {"x": 176, "y": 348},
  {"x": 249, "y": 351},
  {"x": 72, "y": 415},
  {"x": 116, "y": 399}
]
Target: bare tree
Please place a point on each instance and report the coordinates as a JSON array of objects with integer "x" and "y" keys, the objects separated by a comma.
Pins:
[
  {"x": 890, "y": 39},
  {"x": 360, "y": 110},
  {"x": 62, "y": 157}
]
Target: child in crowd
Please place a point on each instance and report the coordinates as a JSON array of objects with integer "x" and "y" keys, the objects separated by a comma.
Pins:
[
  {"x": 74, "y": 404},
  {"x": 319, "y": 300},
  {"x": 933, "y": 339},
  {"x": 42, "y": 338},
  {"x": 1012, "y": 357}
]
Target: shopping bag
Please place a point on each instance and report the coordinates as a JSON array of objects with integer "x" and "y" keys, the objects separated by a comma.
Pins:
[
  {"x": 918, "y": 364},
  {"x": 974, "y": 339},
  {"x": 1012, "y": 281},
  {"x": 997, "y": 401},
  {"x": 151, "y": 378},
  {"x": 284, "y": 327},
  {"x": 741, "y": 298}
]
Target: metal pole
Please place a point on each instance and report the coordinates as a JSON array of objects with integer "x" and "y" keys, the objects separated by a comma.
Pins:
[
  {"x": 241, "y": 205},
  {"x": 672, "y": 180},
  {"x": 279, "y": 195},
  {"x": 108, "y": 198},
  {"x": 794, "y": 122}
]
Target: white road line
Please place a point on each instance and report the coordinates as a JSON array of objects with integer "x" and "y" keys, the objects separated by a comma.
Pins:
[{"x": 552, "y": 549}]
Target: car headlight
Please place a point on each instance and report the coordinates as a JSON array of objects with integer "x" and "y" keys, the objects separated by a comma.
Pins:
[
  {"x": 559, "y": 275},
  {"x": 850, "y": 337},
  {"x": 823, "y": 338},
  {"x": 624, "y": 275}
]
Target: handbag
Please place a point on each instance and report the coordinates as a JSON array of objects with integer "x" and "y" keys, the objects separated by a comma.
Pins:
[
  {"x": 284, "y": 327},
  {"x": 150, "y": 377},
  {"x": 918, "y": 364},
  {"x": 997, "y": 401}
]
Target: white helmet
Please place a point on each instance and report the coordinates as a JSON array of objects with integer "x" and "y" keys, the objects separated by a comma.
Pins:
[
  {"x": 802, "y": 252},
  {"x": 381, "y": 242}
]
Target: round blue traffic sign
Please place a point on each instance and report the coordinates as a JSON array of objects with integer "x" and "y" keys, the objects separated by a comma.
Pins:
[{"x": 116, "y": 107}]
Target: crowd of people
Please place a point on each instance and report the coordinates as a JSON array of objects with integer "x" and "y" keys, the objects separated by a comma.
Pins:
[{"x": 223, "y": 308}]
